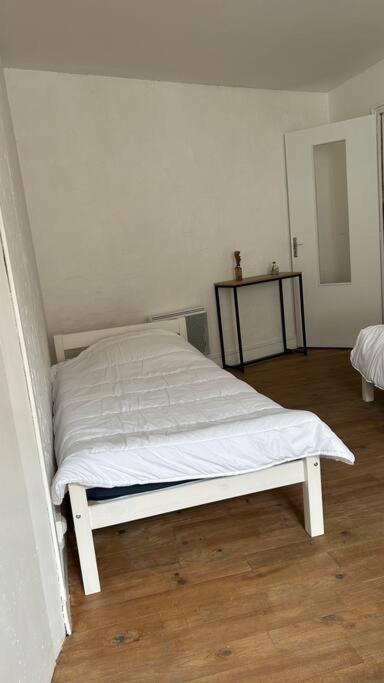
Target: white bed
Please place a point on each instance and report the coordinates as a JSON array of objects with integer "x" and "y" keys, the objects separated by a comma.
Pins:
[
  {"x": 142, "y": 406},
  {"x": 367, "y": 357}
]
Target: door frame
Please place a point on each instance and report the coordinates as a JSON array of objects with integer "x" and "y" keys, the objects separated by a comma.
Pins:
[
  {"x": 18, "y": 369},
  {"x": 378, "y": 111}
]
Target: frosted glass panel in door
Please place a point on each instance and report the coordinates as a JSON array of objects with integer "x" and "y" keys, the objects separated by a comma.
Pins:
[{"x": 332, "y": 212}]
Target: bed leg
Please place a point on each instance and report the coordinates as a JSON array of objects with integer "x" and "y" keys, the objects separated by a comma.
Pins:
[
  {"x": 367, "y": 390},
  {"x": 313, "y": 500},
  {"x": 84, "y": 538}
]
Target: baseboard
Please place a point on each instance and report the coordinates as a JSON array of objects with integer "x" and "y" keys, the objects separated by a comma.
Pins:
[{"x": 264, "y": 348}]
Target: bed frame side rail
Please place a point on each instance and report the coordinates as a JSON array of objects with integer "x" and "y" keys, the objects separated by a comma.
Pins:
[{"x": 88, "y": 516}]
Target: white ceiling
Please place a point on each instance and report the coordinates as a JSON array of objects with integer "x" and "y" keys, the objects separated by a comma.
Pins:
[{"x": 282, "y": 44}]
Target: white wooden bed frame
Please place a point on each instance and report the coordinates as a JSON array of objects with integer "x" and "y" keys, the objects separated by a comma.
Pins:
[
  {"x": 90, "y": 515},
  {"x": 367, "y": 390}
]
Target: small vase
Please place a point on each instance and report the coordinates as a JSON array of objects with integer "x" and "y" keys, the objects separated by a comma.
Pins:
[
  {"x": 238, "y": 273},
  {"x": 274, "y": 268}
]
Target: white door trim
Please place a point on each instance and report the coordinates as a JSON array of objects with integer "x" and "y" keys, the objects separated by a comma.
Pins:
[
  {"x": 379, "y": 112},
  {"x": 7, "y": 276}
]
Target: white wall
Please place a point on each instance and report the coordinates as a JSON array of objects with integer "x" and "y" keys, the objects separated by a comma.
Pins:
[
  {"x": 31, "y": 622},
  {"x": 356, "y": 96},
  {"x": 25, "y": 639},
  {"x": 25, "y": 278},
  {"x": 32, "y": 628},
  {"x": 138, "y": 193}
]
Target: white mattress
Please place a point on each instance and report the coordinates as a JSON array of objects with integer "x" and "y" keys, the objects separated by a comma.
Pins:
[
  {"x": 367, "y": 355},
  {"x": 148, "y": 407}
]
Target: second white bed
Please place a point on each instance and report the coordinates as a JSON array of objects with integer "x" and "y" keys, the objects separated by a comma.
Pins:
[{"x": 367, "y": 357}]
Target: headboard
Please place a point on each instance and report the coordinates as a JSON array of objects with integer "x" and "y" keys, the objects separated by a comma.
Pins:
[{"x": 80, "y": 340}]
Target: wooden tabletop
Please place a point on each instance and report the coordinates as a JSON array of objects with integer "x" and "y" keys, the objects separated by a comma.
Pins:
[{"x": 257, "y": 278}]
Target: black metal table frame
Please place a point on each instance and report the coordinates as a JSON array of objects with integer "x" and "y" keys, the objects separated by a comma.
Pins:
[{"x": 286, "y": 351}]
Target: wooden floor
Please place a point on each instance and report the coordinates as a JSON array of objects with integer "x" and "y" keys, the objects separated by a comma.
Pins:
[{"x": 236, "y": 591}]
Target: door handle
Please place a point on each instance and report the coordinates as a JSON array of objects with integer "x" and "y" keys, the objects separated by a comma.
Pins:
[{"x": 296, "y": 246}]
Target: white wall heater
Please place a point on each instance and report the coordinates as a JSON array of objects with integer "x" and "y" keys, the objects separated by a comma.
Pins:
[{"x": 197, "y": 325}]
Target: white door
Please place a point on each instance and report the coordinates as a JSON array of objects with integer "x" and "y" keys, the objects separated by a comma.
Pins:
[{"x": 333, "y": 194}]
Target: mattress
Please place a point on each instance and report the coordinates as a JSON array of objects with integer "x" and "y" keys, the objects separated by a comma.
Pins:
[
  {"x": 147, "y": 407},
  {"x": 98, "y": 493},
  {"x": 367, "y": 355}
]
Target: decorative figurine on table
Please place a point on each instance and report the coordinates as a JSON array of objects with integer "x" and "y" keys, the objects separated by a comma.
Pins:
[
  {"x": 238, "y": 268},
  {"x": 274, "y": 268}
]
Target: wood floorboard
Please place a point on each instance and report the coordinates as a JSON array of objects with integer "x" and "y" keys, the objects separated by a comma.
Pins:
[{"x": 236, "y": 592}]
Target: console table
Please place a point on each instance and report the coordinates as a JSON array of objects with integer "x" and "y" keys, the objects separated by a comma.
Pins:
[{"x": 235, "y": 285}]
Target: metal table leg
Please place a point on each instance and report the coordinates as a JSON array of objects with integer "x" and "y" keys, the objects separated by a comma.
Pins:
[
  {"x": 282, "y": 314},
  {"x": 221, "y": 336},
  {"x": 302, "y": 314},
  {"x": 238, "y": 329}
]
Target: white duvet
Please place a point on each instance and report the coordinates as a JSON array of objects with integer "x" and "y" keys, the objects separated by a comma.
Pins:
[
  {"x": 147, "y": 407},
  {"x": 367, "y": 355}
]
